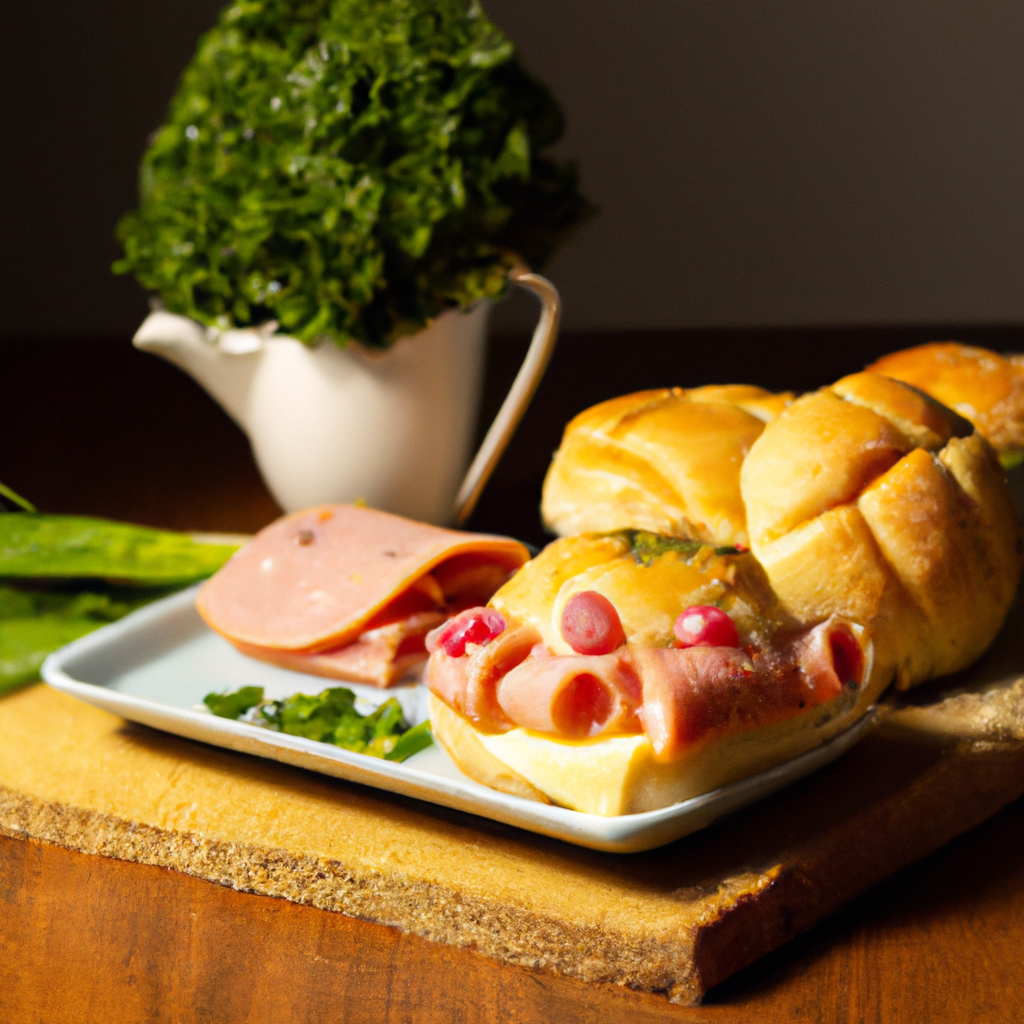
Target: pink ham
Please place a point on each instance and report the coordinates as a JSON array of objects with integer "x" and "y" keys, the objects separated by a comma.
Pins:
[
  {"x": 313, "y": 581},
  {"x": 576, "y": 696},
  {"x": 693, "y": 694},
  {"x": 379, "y": 657},
  {"x": 677, "y": 697},
  {"x": 469, "y": 683}
]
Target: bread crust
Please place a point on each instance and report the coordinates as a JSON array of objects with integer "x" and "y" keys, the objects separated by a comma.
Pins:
[
  {"x": 872, "y": 501},
  {"x": 983, "y": 386},
  {"x": 620, "y": 775},
  {"x": 634, "y": 462}
]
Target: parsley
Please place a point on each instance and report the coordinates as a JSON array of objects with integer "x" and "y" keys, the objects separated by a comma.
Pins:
[
  {"x": 349, "y": 169},
  {"x": 328, "y": 717},
  {"x": 645, "y": 546}
]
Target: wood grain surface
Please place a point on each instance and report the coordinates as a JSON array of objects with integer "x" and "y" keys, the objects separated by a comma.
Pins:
[
  {"x": 91, "y": 426},
  {"x": 85, "y": 940}
]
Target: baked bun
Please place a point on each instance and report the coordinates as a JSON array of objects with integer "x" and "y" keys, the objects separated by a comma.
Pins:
[
  {"x": 871, "y": 500},
  {"x": 635, "y": 461},
  {"x": 983, "y": 386},
  {"x": 535, "y": 708}
]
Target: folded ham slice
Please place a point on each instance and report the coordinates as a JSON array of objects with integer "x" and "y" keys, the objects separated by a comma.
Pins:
[
  {"x": 677, "y": 697},
  {"x": 694, "y": 694},
  {"x": 351, "y": 592},
  {"x": 381, "y": 656}
]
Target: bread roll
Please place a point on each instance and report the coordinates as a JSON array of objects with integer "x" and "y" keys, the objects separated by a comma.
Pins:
[
  {"x": 667, "y": 461},
  {"x": 985, "y": 387},
  {"x": 871, "y": 500}
]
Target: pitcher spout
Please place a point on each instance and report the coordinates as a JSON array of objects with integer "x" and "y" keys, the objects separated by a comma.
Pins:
[{"x": 223, "y": 362}]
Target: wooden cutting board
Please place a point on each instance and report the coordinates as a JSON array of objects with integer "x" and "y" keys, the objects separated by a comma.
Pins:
[{"x": 678, "y": 919}]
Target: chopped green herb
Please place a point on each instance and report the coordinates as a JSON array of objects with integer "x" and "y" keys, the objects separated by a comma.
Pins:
[
  {"x": 1011, "y": 460},
  {"x": 412, "y": 741},
  {"x": 349, "y": 169},
  {"x": 234, "y": 705},
  {"x": 329, "y": 717},
  {"x": 648, "y": 546}
]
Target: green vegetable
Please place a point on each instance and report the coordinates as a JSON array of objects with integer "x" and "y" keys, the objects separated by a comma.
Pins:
[
  {"x": 648, "y": 546},
  {"x": 1011, "y": 460},
  {"x": 329, "y": 717},
  {"x": 50, "y": 546},
  {"x": 64, "y": 576},
  {"x": 234, "y": 705},
  {"x": 349, "y": 169},
  {"x": 34, "y": 622},
  {"x": 9, "y": 497}
]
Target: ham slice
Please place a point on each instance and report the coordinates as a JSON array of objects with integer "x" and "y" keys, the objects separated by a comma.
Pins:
[
  {"x": 469, "y": 683},
  {"x": 693, "y": 694},
  {"x": 677, "y": 697},
  {"x": 380, "y": 656},
  {"x": 342, "y": 591},
  {"x": 576, "y": 696}
]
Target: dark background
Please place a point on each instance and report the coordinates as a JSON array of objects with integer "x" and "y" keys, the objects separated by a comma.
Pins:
[{"x": 788, "y": 190}]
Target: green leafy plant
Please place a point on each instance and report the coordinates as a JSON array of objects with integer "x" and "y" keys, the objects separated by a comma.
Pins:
[{"x": 349, "y": 169}]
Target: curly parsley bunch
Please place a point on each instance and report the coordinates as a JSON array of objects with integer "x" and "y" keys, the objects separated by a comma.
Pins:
[{"x": 350, "y": 169}]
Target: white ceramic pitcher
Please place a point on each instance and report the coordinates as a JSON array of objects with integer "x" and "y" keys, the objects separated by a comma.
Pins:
[{"x": 392, "y": 429}]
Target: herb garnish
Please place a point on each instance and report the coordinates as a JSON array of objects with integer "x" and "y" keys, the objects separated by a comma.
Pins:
[
  {"x": 349, "y": 169},
  {"x": 329, "y": 717},
  {"x": 645, "y": 547}
]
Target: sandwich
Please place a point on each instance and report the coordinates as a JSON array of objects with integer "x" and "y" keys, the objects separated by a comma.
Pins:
[
  {"x": 617, "y": 673},
  {"x": 883, "y": 546},
  {"x": 351, "y": 593}
]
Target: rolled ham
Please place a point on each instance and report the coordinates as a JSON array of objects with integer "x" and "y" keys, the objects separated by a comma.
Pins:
[
  {"x": 576, "y": 696},
  {"x": 677, "y": 697},
  {"x": 469, "y": 683}
]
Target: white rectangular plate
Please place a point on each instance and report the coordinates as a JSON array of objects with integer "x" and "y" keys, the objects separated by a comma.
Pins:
[{"x": 156, "y": 665}]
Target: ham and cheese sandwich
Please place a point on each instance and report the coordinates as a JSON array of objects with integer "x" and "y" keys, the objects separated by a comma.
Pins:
[
  {"x": 617, "y": 673},
  {"x": 351, "y": 593}
]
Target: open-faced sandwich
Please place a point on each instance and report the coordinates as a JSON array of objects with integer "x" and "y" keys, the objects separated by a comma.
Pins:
[
  {"x": 617, "y": 673},
  {"x": 887, "y": 548}
]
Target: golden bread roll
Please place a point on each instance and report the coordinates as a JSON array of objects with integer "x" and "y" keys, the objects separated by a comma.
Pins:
[
  {"x": 667, "y": 461},
  {"x": 649, "y": 578},
  {"x": 648, "y": 720},
  {"x": 984, "y": 386},
  {"x": 870, "y": 500}
]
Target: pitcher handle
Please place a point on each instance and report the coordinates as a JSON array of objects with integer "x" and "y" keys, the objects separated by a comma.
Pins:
[{"x": 538, "y": 356}]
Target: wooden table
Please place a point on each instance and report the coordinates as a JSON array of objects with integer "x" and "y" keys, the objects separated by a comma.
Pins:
[{"x": 94, "y": 427}]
